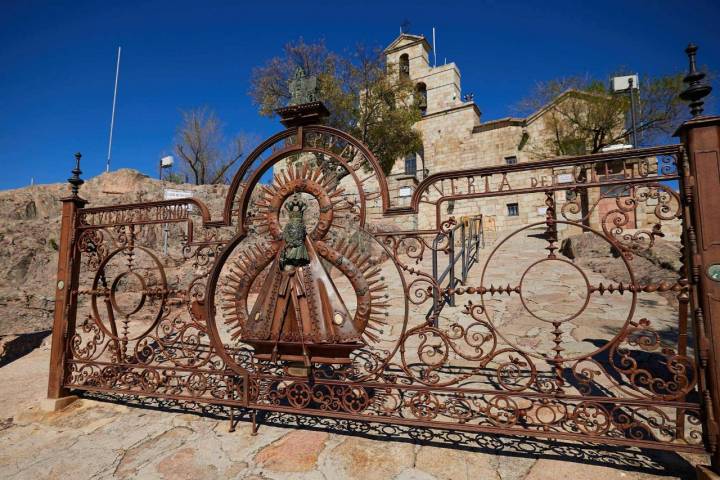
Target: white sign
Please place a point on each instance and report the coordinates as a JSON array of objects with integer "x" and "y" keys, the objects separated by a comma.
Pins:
[
  {"x": 542, "y": 211},
  {"x": 405, "y": 192},
  {"x": 565, "y": 178},
  {"x": 620, "y": 84},
  {"x": 617, "y": 146},
  {"x": 174, "y": 194}
]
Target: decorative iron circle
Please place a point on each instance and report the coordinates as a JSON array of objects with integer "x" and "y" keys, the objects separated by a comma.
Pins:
[
  {"x": 110, "y": 294},
  {"x": 561, "y": 320},
  {"x": 116, "y": 288},
  {"x": 249, "y": 174},
  {"x": 570, "y": 358}
]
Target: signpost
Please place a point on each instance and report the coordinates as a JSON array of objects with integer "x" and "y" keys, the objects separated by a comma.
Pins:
[{"x": 173, "y": 194}]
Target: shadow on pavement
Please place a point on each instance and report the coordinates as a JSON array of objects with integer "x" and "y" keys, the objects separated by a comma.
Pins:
[{"x": 655, "y": 462}]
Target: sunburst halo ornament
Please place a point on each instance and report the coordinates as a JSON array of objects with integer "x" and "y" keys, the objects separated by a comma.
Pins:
[{"x": 300, "y": 314}]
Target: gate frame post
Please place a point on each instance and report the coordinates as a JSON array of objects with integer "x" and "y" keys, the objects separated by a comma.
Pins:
[
  {"x": 701, "y": 193},
  {"x": 701, "y": 137},
  {"x": 68, "y": 271}
]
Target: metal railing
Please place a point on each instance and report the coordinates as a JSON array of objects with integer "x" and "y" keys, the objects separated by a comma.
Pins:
[{"x": 471, "y": 240}]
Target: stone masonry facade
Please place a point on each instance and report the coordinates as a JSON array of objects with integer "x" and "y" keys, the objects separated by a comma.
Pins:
[{"x": 455, "y": 138}]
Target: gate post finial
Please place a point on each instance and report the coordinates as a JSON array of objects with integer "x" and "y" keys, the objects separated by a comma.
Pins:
[
  {"x": 696, "y": 89},
  {"x": 75, "y": 180}
]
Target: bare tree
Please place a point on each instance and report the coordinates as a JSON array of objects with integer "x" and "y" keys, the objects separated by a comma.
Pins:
[{"x": 207, "y": 156}]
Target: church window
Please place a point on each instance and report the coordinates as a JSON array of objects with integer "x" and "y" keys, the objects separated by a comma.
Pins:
[
  {"x": 404, "y": 66},
  {"x": 512, "y": 160},
  {"x": 513, "y": 210},
  {"x": 421, "y": 90},
  {"x": 410, "y": 164}
]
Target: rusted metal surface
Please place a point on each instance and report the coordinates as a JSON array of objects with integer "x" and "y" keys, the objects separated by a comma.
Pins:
[
  {"x": 67, "y": 277},
  {"x": 701, "y": 188},
  {"x": 225, "y": 319},
  {"x": 299, "y": 313}
]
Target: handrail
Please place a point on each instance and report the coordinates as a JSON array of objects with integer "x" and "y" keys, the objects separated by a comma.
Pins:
[{"x": 471, "y": 240}]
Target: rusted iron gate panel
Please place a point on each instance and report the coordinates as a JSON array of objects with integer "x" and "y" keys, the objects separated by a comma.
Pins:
[{"x": 310, "y": 295}]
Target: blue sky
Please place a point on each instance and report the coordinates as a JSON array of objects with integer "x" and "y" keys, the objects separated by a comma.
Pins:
[{"x": 57, "y": 62}]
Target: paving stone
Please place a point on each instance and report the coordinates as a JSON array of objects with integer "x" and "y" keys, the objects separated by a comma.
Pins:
[
  {"x": 553, "y": 470},
  {"x": 236, "y": 470},
  {"x": 295, "y": 452},
  {"x": 184, "y": 465},
  {"x": 510, "y": 467},
  {"x": 362, "y": 459},
  {"x": 146, "y": 451},
  {"x": 414, "y": 474},
  {"x": 455, "y": 464}
]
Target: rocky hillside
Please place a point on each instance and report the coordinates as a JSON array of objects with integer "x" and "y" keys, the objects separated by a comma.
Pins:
[
  {"x": 29, "y": 237},
  {"x": 661, "y": 263}
]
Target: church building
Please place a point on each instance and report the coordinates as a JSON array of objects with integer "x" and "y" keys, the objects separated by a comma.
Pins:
[{"x": 456, "y": 138}]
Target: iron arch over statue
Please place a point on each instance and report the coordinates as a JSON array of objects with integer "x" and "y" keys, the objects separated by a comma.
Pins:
[{"x": 273, "y": 280}]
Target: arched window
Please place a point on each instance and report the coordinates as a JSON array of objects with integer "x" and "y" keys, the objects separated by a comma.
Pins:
[
  {"x": 421, "y": 90},
  {"x": 404, "y": 66}
]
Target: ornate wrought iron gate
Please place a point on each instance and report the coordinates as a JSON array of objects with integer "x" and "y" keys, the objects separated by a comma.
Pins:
[{"x": 309, "y": 294}]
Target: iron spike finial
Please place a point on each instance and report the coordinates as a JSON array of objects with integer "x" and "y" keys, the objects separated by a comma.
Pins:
[
  {"x": 696, "y": 89},
  {"x": 75, "y": 180}
]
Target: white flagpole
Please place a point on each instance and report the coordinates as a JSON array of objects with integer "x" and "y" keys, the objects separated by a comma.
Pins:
[
  {"x": 434, "y": 50},
  {"x": 112, "y": 118}
]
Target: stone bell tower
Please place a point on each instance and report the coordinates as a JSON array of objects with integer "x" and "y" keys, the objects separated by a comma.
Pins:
[
  {"x": 447, "y": 118},
  {"x": 438, "y": 85}
]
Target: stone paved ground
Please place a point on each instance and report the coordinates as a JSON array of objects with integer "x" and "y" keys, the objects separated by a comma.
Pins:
[{"x": 93, "y": 439}]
